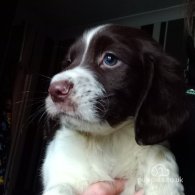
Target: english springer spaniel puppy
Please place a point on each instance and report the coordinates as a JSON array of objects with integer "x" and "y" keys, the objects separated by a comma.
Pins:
[{"x": 118, "y": 96}]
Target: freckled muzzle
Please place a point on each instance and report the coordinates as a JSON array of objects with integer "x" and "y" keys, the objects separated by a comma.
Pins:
[{"x": 76, "y": 94}]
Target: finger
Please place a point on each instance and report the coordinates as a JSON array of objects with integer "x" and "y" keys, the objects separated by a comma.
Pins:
[
  {"x": 106, "y": 188},
  {"x": 119, "y": 186},
  {"x": 141, "y": 192}
]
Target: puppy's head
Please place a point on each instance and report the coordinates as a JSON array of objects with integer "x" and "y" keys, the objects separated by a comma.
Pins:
[{"x": 115, "y": 73}]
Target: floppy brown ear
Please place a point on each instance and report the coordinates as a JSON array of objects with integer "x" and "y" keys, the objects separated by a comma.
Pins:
[{"x": 162, "y": 108}]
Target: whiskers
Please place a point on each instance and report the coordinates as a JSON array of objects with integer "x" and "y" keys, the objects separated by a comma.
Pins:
[
  {"x": 102, "y": 104},
  {"x": 35, "y": 112},
  {"x": 30, "y": 102},
  {"x": 38, "y": 115},
  {"x": 44, "y": 76},
  {"x": 29, "y": 112}
]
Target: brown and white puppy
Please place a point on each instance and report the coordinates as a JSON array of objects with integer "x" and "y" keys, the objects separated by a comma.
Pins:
[{"x": 118, "y": 89}]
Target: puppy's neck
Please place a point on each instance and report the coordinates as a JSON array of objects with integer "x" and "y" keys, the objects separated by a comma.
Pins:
[{"x": 126, "y": 127}]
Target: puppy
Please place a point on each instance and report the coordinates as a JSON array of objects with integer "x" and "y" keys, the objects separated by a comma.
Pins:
[{"x": 118, "y": 96}]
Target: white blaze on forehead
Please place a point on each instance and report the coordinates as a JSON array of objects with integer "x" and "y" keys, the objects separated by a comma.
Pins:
[{"x": 88, "y": 36}]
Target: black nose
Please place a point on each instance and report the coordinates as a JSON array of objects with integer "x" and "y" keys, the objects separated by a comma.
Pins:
[{"x": 59, "y": 90}]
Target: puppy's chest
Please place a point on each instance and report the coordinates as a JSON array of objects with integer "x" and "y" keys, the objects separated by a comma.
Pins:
[
  {"x": 101, "y": 157},
  {"x": 116, "y": 157}
]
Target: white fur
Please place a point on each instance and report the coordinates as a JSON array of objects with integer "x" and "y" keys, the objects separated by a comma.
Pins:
[
  {"x": 87, "y": 37},
  {"x": 81, "y": 98},
  {"x": 84, "y": 151},
  {"x": 75, "y": 160}
]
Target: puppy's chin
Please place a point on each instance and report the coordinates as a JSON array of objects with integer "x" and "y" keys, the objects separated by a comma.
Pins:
[
  {"x": 85, "y": 121},
  {"x": 94, "y": 128},
  {"x": 55, "y": 110}
]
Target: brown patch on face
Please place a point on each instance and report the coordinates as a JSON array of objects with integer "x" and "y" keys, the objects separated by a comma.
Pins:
[{"x": 147, "y": 84}]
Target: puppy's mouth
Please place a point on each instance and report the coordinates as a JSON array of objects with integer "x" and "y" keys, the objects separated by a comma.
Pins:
[
  {"x": 84, "y": 111},
  {"x": 60, "y": 108},
  {"x": 74, "y": 117}
]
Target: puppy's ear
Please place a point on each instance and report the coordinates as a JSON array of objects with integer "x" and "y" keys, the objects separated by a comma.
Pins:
[{"x": 162, "y": 107}]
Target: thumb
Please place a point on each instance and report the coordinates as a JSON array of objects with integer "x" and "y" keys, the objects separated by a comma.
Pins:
[
  {"x": 106, "y": 188},
  {"x": 141, "y": 192},
  {"x": 119, "y": 186}
]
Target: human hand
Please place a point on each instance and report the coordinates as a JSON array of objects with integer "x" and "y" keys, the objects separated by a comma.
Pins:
[{"x": 108, "y": 188}]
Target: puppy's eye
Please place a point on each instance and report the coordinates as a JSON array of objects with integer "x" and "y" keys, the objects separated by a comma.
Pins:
[{"x": 110, "y": 59}]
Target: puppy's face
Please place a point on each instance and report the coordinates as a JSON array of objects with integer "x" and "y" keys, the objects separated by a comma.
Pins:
[{"x": 110, "y": 75}]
